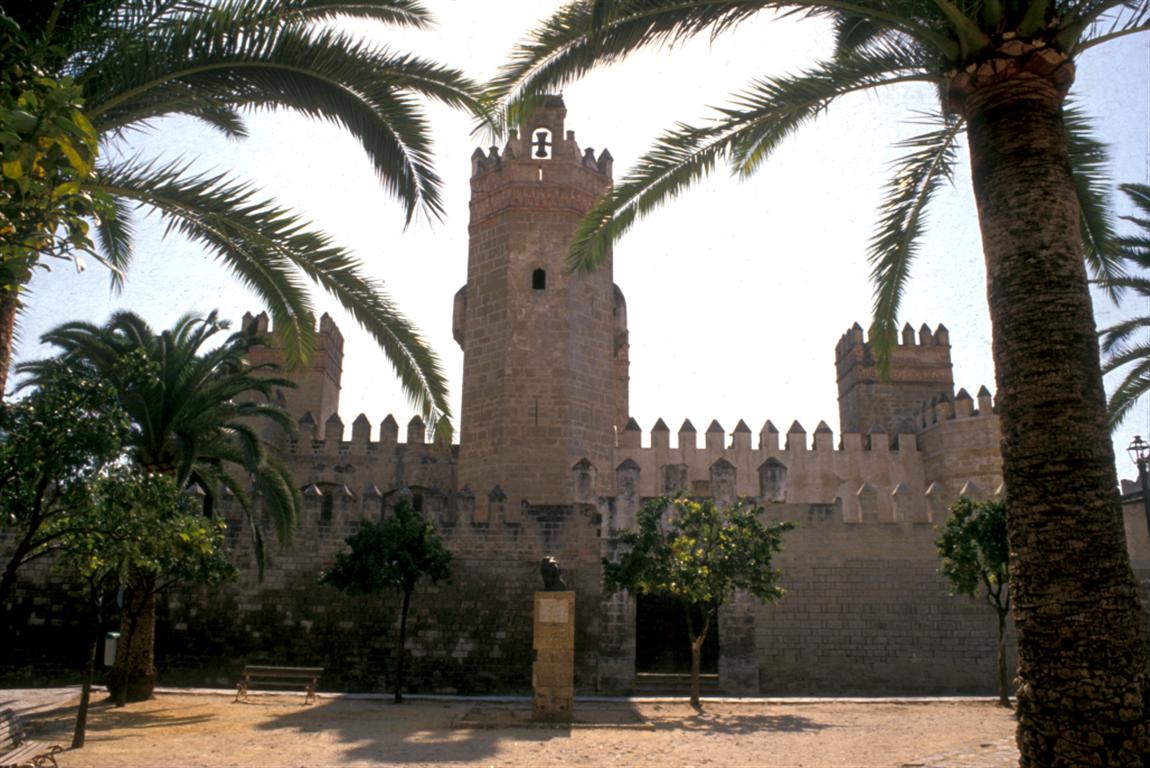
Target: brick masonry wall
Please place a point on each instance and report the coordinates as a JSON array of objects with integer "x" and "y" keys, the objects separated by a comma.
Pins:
[{"x": 867, "y": 613}]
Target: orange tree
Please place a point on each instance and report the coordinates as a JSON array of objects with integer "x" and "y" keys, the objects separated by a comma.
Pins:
[
  {"x": 697, "y": 554},
  {"x": 976, "y": 558},
  {"x": 393, "y": 556}
]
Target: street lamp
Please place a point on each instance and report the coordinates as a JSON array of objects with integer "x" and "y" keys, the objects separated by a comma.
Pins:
[{"x": 1139, "y": 451}]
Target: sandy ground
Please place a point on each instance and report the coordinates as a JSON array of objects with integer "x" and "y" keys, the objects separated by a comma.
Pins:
[{"x": 179, "y": 729}]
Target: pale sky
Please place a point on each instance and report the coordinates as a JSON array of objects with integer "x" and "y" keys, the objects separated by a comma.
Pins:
[{"x": 736, "y": 292}]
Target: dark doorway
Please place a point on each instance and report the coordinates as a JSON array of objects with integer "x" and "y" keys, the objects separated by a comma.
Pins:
[{"x": 662, "y": 644}]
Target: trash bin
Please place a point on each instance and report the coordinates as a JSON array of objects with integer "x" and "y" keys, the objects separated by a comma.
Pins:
[{"x": 111, "y": 640}]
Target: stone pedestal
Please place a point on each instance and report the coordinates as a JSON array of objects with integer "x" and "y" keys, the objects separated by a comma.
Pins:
[{"x": 553, "y": 674}]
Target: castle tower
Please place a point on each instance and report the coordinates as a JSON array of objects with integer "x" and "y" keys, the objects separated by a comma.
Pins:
[
  {"x": 544, "y": 349},
  {"x": 317, "y": 383},
  {"x": 920, "y": 370}
]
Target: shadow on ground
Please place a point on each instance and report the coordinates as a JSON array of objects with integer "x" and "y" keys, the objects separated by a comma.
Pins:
[
  {"x": 57, "y": 723},
  {"x": 413, "y": 732},
  {"x": 742, "y": 724}
]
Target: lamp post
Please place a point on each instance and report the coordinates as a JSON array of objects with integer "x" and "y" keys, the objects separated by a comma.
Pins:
[{"x": 1139, "y": 451}]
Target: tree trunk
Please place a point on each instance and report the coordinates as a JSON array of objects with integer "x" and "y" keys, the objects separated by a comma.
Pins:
[
  {"x": 696, "y": 665},
  {"x": 80, "y": 732},
  {"x": 1082, "y": 693},
  {"x": 9, "y": 303},
  {"x": 133, "y": 676},
  {"x": 1003, "y": 677},
  {"x": 400, "y": 652}
]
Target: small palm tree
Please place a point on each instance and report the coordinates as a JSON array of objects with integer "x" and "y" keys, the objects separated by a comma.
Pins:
[
  {"x": 194, "y": 413},
  {"x": 1119, "y": 342},
  {"x": 137, "y": 61},
  {"x": 1003, "y": 71}
]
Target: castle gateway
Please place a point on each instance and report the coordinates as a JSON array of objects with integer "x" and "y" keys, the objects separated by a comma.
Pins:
[{"x": 549, "y": 463}]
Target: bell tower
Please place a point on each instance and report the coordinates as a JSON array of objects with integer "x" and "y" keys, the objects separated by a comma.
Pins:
[{"x": 544, "y": 363}]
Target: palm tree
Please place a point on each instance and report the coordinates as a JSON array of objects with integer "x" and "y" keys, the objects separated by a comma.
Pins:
[
  {"x": 1119, "y": 344},
  {"x": 140, "y": 60},
  {"x": 194, "y": 413},
  {"x": 1003, "y": 71}
]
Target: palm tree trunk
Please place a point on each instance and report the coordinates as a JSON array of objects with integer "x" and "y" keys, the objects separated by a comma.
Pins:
[
  {"x": 9, "y": 303},
  {"x": 1083, "y": 690},
  {"x": 133, "y": 675}
]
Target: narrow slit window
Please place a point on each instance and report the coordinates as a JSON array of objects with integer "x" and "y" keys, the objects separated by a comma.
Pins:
[{"x": 539, "y": 280}]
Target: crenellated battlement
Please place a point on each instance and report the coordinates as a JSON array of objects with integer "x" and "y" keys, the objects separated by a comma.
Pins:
[
  {"x": 545, "y": 141},
  {"x": 310, "y": 440},
  {"x": 930, "y": 412},
  {"x": 905, "y": 469},
  {"x": 920, "y": 369},
  {"x": 317, "y": 382},
  {"x": 852, "y": 341},
  {"x": 908, "y": 474}
]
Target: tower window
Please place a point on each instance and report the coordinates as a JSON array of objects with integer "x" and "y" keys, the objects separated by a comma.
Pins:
[
  {"x": 541, "y": 144},
  {"x": 539, "y": 280}
]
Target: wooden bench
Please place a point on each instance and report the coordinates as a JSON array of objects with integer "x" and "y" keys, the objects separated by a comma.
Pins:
[
  {"x": 279, "y": 677},
  {"x": 16, "y": 752}
]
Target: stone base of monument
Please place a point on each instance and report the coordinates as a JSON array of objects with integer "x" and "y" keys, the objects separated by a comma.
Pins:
[{"x": 553, "y": 673}]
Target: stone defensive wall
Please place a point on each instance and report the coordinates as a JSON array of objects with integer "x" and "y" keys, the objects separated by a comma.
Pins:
[
  {"x": 911, "y": 476},
  {"x": 469, "y": 635}
]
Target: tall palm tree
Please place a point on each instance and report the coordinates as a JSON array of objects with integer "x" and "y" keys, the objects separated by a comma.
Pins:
[
  {"x": 1120, "y": 342},
  {"x": 140, "y": 60},
  {"x": 1003, "y": 71},
  {"x": 194, "y": 413}
]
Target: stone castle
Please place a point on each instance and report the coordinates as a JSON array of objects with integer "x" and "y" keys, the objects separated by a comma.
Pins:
[{"x": 549, "y": 463}]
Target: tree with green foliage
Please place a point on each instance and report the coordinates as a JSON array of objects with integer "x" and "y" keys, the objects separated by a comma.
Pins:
[
  {"x": 392, "y": 556},
  {"x": 194, "y": 413},
  {"x": 976, "y": 558},
  {"x": 47, "y": 163},
  {"x": 1124, "y": 343},
  {"x": 52, "y": 443},
  {"x": 138, "y": 522},
  {"x": 697, "y": 554},
  {"x": 1002, "y": 72},
  {"x": 137, "y": 61}
]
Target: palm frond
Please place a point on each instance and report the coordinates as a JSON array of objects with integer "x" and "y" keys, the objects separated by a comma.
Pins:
[
  {"x": 264, "y": 245},
  {"x": 746, "y": 133},
  {"x": 1093, "y": 23},
  {"x": 1135, "y": 246},
  {"x": 223, "y": 216},
  {"x": 224, "y": 119},
  {"x": 115, "y": 234},
  {"x": 1115, "y": 337},
  {"x": 1135, "y": 384},
  {"x": 917, "y": 176},
  {"x": 215, "y": 63},
  {"x": 401, "y": 13},
  {"x": 1089, "y": 164},
  {"x": 585, "y": 34}
]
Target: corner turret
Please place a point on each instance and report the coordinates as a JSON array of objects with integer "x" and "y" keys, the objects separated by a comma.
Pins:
[{"x": 919, "y": 370}]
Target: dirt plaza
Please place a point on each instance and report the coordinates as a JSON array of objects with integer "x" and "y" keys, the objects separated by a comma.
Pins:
[{"x": 209, "y": 730}]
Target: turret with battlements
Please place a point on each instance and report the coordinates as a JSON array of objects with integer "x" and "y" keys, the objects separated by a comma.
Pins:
[
  {"x": 919, "y": 370},
  {"x": 544, "y": 349}
]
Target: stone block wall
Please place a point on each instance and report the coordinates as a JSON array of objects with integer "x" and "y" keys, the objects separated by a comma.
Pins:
[
  {"x": 866, "y": 613},
  {"x": 471, "y": 635}
]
